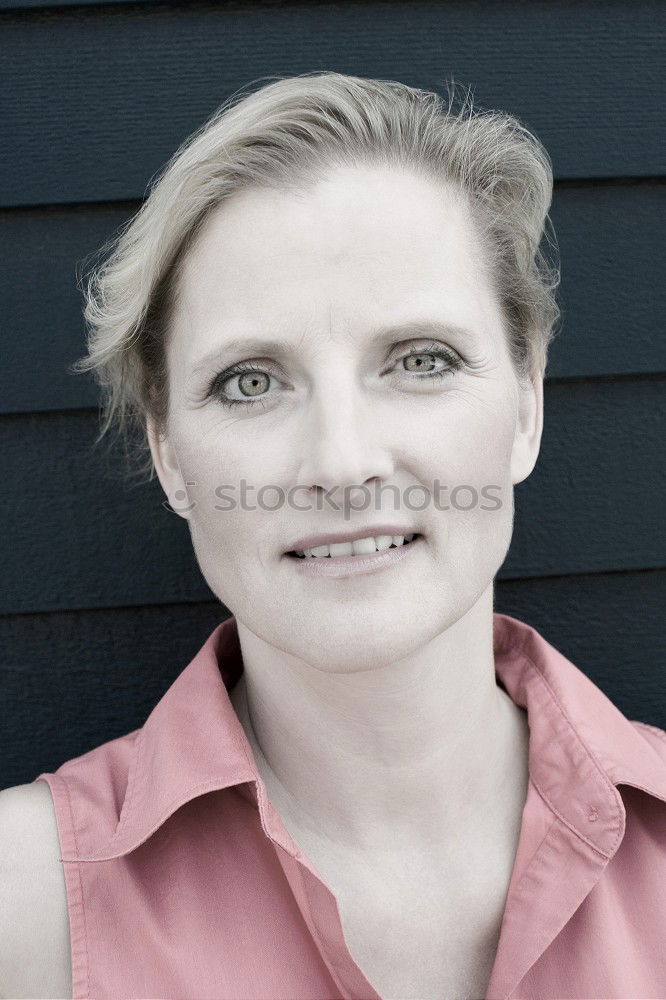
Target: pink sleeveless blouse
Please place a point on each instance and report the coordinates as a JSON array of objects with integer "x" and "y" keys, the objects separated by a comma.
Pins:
[{"x": 182, "y": 882}]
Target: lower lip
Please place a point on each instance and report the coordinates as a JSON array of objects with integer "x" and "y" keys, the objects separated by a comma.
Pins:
[{"x": 340, "y": 566}]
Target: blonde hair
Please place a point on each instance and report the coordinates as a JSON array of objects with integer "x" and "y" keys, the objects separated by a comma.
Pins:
[{"x": 286, "y": 135}]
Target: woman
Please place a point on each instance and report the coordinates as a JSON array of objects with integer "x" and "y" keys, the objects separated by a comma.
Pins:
[{"x": 331, "y": 317}]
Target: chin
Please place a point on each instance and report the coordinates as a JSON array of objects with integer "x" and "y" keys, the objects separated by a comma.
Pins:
[{"x": 349, "y": 641}]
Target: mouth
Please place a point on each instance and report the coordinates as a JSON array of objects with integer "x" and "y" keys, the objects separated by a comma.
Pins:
[{"x": 346, "y": 550}]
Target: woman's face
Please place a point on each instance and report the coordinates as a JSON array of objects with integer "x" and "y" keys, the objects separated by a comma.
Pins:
[{"x": 348, "y": 276}]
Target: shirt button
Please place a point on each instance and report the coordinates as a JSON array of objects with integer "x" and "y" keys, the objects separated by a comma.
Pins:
[{"x": 592, "y": 815}]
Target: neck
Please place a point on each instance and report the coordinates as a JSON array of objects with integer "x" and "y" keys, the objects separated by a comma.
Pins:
[{"x": 420, "y": 752}]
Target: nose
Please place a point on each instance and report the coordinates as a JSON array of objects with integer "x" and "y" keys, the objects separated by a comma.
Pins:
[{"x": 343, "y": 446}]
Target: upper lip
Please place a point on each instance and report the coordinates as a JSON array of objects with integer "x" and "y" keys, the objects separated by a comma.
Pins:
[{"x": 311, "y": 541}]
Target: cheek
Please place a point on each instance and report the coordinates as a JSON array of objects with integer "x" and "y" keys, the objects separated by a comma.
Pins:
[
  {"x": 236, "y": 509},
  {"x": 475, "y": 440},
  {"x": 470, "y": 456},
  {"x": 204, "y": 466},
  {"x": 212, "y": 457}
]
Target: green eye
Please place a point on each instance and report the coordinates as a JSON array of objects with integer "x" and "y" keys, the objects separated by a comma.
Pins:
[
  {"x": 418, "y": 365},
  {"x": 422, "y": 360},
  {"x": 254, "y": 383},
  {"x": 254, "y": 379}
]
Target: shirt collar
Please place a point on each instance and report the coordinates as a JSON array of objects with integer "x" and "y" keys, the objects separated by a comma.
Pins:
[{"x": 581, "y": 745}]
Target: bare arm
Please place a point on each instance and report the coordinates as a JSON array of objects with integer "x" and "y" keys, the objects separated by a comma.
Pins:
[{"x": 34, "y": 926}]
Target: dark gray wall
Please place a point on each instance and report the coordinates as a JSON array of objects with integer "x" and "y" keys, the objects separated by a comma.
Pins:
[{"x": 102, "y": 603}]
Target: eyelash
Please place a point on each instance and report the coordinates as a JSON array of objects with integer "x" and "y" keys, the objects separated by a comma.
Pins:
[{"x": 454, "y": 361}]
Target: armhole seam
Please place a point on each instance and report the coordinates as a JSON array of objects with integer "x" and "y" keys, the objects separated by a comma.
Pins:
[{"x": 64, "y": 812}]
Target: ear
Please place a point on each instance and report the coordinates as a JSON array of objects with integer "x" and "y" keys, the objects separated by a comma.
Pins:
[
  {"x": 168, "y": 471},
  {"x": 529, "y": 426}
]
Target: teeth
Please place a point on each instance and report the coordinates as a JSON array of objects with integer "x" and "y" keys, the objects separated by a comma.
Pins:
[
  {"x": 340, "y": 548},
  {"x": 360, "y": 546}
]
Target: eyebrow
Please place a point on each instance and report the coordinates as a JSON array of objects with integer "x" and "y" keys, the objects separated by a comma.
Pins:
[{"x": 417, "y": 329}]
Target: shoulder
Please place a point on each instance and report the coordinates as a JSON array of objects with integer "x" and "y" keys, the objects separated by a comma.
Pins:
[
  {"x": 34, "y": 925},
  {"x": 655, "y": 737}
]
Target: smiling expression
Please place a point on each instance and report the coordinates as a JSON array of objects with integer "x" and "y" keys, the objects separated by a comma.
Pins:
[{"x": 344, "y": 336}]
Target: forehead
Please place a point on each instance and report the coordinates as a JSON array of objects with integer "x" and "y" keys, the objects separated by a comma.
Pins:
[{"x": 364, "y": 246}]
